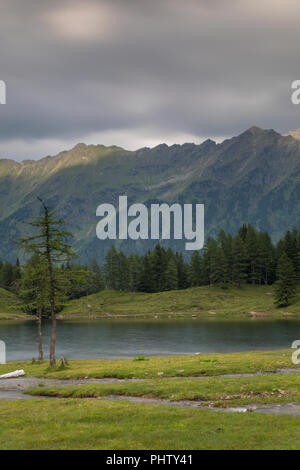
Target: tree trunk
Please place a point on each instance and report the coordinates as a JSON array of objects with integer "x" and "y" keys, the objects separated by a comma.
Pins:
[
  {"x": 53, "y": 337},
  {"x": 52, "y": 291},
  {"x": 53, "y": 313},
  {"x": 41, "y": 356}
]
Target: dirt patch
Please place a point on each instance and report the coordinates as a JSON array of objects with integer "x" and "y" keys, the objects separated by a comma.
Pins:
[
  {"x": 287, "y": 314},
  {"x": 259, "y": 314}
]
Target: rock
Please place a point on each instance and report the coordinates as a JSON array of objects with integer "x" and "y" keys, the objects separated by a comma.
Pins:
[{"x": 12, "y": 375}]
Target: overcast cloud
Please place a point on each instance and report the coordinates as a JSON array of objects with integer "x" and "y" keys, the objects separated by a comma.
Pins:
[{"x": 140, "y": 72}]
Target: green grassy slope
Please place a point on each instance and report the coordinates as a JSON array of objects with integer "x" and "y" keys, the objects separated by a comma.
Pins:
[
  {"x": 199, "y": 302},
  {"x": 9, "y": 309}
]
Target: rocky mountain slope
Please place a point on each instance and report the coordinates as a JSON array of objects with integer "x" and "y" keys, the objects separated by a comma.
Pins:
[{"x": 254, "y": 177}]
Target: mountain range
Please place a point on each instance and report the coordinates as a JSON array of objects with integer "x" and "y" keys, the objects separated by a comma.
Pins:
[{"x": 251, "y": 178}]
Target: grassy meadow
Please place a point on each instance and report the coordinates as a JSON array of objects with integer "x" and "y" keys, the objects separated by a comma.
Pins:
[
  {"x": 210, "y": 364},
  {"x": 214, "y": 392},
  {"x": 92, "y": 424},
  {"x": 196, "y": 302},
  {"x": 199, "y": 302},
  {"x": 78, "y": 420}
]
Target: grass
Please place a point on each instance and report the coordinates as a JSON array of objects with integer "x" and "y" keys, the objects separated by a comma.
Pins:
[
  {"x": 81, "y": 423},
  {"x": 218, "y": 392},
  {"x": 87, "y": 424},
  {"x": 197, "y": 302},
  {"x": 9, "y": 309},
  {"x": 211, "y": 364},
  {"x": 201, "y": 302}
]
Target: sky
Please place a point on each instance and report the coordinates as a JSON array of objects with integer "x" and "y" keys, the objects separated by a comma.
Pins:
[{"x": 137, "y": 73}]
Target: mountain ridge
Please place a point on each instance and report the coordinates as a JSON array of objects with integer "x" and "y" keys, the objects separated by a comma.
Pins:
[{"x": 250, "y": 178}]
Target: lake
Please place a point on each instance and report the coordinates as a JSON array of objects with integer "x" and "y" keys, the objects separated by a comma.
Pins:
[{"x": 130, "y": 338}]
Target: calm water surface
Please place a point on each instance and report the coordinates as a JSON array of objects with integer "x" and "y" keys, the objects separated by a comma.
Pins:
[{"x": 129, "y": 338}]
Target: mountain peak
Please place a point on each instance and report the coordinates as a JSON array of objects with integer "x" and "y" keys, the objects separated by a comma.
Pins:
[
  {"x": 80, "y": 146},
  {"x": 255, "y": 131},
  {"x": 295, "y": 134}
]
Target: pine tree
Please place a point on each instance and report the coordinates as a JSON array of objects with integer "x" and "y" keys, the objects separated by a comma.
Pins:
[
  {"x": 214, "y": 261},
  {"x": 111, "y": 269},
  {"x": 290, "y": 243},
  {"x": 159, "y": 262},
  {"x": 297, "y": 258},
  {"x": 182, "y": 272},
  {"x": 266, "y": 252},
  {"x": 7, "y": 275},
  {"x": 195, "y": 269},
  {"x": 251, "y": 245},
  {"x": 34, "y": 293},
  {"x": 135, "y": 268},
  {"x": 239, "y": 264},
  {"x": 217, "y": 266},
  {"x": 171, "y": 275},
  {"x": 146, "y": 280},
  {"x": 51, "y": 245},
  {"x": 285, "y": 286},
  {"x": 225, "y": 243},
  {"x": 97, "y": 281},
  {"x": 124, "y": 278}
]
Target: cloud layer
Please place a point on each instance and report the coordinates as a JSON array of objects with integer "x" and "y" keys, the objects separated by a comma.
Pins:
[{"x": 139, "y": 72}]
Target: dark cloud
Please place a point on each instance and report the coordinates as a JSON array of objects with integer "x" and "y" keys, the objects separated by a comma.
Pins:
[{"x": 149, "y": 70}]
